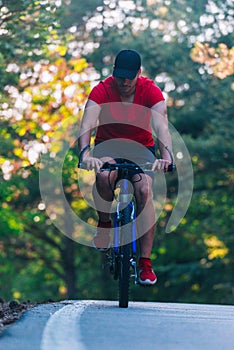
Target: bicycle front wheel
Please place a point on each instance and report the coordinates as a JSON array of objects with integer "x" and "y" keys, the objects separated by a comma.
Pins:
[{"x": 125, "y": 255}]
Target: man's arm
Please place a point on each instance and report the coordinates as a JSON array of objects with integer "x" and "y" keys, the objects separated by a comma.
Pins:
[
  {"x": 160, "y": 127},
  {"x": 88, "y": 124}
]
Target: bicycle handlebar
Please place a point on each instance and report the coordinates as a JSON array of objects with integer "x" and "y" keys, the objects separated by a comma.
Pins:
[{"x": 125, "y": 165}]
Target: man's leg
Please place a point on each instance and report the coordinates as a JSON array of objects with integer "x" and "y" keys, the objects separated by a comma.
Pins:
[
  {"x": 145, "y": 214},
  {"x": 103, "y": 194},
  {"x": 146, "y": 228},
  {"x": 103, "y": 197}
]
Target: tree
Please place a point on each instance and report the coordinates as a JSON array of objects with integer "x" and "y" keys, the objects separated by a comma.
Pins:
[
  {"x": 195, "y": 263},
  {"x": 57, "y": 93}
]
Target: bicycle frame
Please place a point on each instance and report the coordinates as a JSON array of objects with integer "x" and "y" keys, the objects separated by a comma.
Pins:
[{"x": 125, "y": 199}]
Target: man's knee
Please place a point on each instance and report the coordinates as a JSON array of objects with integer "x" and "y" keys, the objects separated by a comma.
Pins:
[
  {"x": 144, "y": 189},
  {"x": 103, "y": 181}
]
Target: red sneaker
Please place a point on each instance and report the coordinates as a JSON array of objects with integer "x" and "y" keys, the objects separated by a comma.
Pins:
[
  {"x": 102, "y": 240},
  {"x": 146, "y": 275}
]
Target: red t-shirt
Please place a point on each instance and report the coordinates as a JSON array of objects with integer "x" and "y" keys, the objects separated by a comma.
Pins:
[{"x": 125, "y": 120}]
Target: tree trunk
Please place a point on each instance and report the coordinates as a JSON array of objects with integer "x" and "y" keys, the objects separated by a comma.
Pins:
[{"x": 69, "y": 267}]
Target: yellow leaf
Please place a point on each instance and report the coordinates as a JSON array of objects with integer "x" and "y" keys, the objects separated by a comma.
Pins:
[
  {"x": 79, "y": 64},
  {"x": 16, "y": 295},
  {"x": 62, "y": 50},
  {"x": 18, "y": 152},
  {"x": 22, "y": 132}
]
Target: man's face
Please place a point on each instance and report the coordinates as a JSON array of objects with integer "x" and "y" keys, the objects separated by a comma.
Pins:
[{"x": 126, "y": 86}]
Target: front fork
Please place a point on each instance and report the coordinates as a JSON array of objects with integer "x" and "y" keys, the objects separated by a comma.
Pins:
[{"x": 117, "y": 220}]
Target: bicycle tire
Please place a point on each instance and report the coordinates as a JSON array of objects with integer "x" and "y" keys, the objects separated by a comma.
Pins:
[{"x": 124, "y": 261}]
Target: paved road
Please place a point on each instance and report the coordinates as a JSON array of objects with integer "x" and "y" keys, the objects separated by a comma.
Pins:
[{"x": 94, "y": 325}]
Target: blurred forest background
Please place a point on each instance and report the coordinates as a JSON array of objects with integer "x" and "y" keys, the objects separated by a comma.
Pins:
[{"x": 51, "y": 54}]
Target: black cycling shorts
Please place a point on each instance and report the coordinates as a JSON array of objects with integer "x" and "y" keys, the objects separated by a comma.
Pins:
[{"x": 127, "y": 150}]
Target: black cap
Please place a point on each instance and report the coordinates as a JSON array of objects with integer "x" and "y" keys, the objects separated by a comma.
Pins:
[{"x": 127, "y": 64}]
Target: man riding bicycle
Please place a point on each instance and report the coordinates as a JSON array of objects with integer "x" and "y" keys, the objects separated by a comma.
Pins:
[{"x": 122, "y": 107}]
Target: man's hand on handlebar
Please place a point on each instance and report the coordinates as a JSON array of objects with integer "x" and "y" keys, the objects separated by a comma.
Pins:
[
  {"x": 92, "y": 163},
  {"x": 161, "y": 164}
]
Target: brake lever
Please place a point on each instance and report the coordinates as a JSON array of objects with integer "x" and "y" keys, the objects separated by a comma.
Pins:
[
  {"x": 81, "y": 165},
  {"x": 172, "y": 166}
]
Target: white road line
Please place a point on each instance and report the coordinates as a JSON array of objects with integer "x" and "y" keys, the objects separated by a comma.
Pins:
[{"x": 62, "y": 330}]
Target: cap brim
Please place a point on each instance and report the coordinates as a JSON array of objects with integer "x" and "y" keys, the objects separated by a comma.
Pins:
[{"x": 124, "y": 73}]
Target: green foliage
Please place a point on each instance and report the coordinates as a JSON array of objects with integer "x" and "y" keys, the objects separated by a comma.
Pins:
[
  {"x": 26, "y": 27},
  {"x": 77, "y": 12},
  {"x": 37, "y": 262}
]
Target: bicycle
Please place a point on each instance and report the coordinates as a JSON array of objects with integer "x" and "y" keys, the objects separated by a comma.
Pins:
[{"x": 122, "y": 256}]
